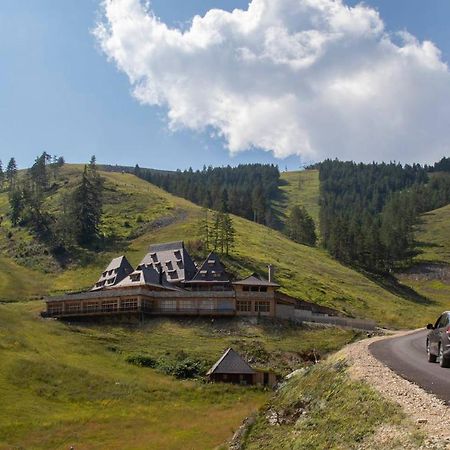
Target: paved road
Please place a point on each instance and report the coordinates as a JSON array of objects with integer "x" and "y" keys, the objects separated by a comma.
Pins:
[{"x": 407, "y": 357}]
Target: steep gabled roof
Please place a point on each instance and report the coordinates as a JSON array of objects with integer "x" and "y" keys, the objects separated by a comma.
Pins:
[
  {"x": 173, "y": 259},
  {"x": 231, "y": 362},
  {"x": 145, "y": 276},
  {"x": 115, "y": 272},
  {"x": 211, "y": 271},
  {"x": 256, "y": 280}
]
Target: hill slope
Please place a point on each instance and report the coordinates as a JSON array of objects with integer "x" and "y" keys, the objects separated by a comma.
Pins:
[
  {"x": 141, "y": 214},
  {"x": 299, "y": 188}
]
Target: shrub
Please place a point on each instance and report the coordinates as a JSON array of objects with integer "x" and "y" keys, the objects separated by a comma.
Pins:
[{"x": 141, "y": 361}]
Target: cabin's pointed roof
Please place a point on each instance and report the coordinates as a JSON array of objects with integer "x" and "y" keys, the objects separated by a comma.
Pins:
[
  {"x": 211, "y": 270},
  {"x": 231, "y": 362},
  {"x": 256, "y": 280},
  {"x": 114, "y": 273},
  {"x": 173, "y": 259}
]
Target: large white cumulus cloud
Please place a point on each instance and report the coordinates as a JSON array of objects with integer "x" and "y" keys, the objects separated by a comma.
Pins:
[{"x": 314, "y": 78}]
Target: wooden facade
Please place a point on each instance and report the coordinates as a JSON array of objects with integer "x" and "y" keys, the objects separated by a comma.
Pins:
[{"x": 150, "y": 291}]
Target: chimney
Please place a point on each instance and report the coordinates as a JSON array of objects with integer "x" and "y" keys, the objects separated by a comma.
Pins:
[{"x": 271, "y": 273}]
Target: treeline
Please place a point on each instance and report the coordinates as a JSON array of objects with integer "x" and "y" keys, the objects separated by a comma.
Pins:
[
  {"x": 247, "y": 189},
  {"x": 368, "y": 211},
  {"x": 75, "y": 219}
]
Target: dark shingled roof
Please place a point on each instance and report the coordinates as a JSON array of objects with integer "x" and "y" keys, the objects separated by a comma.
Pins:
[
  {"x": 173, "y": 259},
  {"x": 211, "y": 271},
  {"x": 231, "y": 362},
  {"x": 114, "y": 273},
  {"x": 146, "y": 276},
  {"x": 256, "y": 280}
]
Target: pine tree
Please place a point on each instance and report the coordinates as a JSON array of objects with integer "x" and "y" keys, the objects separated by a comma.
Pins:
[
  {"x": 203, "y": 228},
  {"x": 229, "y": 233},
  {"x": 87, "y": 202},
  {"x": 300, "y": 226},
  {"x": 16, "y": 205},
  {"x": 11, "y": 173},
  {"x": 2, "y": 175}
]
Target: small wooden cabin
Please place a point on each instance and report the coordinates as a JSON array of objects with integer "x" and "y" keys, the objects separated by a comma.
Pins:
[{"x": 232, "y": 368}]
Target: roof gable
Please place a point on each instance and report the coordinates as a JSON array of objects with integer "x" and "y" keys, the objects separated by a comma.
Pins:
[
  {"x": 173, "y": 259},
  {"x": 231, "y": 362},
  {"x": 145, "y": 276},
  {"x": 212, "y": 270},
  {"x": 114, "y": 273},
  {"x": 256, "y": 280}
]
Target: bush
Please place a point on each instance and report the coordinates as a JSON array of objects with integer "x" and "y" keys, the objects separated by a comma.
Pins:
[
  {"x": 182, "y": 367},
  {"x": 141, "y": 361}
]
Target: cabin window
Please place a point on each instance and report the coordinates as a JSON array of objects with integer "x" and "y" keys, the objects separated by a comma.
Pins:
[
  {"x": 73, "y": 307},
  {"x": 91, "y": 306},
  {"x": 263, "y": 289},
  {"x": 262, "y": 306},
  {"x": 254, "y": 289},
  {"x": 55, "y": 309},
  {"x": 244, "y": 305},
  {"x": 207, "y": 304},
  {"x": 135, "y": 277},
  {"x": 188, "y": 304},
  {"x": 246, "y": 288},
  {"x": 168, "y": 305},
  {"x": 129, "y": 304},
  {"x": 109, "y": 305}
]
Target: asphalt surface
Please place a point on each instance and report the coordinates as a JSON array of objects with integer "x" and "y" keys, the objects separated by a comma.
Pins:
[{"x": 407, "y": 356}]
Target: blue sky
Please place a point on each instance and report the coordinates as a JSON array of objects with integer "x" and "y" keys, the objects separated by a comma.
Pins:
[{"x": 59, "y": 93}]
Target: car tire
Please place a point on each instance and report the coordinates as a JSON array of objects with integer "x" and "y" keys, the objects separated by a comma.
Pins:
[
  {"x": 431, "y": 358},
  {"x": 443, "y": 362}
]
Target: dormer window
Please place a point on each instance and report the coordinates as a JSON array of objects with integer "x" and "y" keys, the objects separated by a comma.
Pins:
[
  {"x": 135, "y": 277},
  {"x": 154, "y": 256}
]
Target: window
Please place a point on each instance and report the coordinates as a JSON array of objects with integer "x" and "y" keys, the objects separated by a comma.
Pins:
[
  {"x": 109, "y": 305},
  {"x": 207, "y": 304},
  {"x": 129, "y": 304},
  {"x": 168, "y": 305},
  {"x": 244, "y": 305},
  {"x": 73, "y": 307},
  {"x": 55, "y": 309},
  {"x": 443, "y": 321},
  {"x": 254, "y": 289},
  {"x": 246, "y": 288},
  {"x": 92, "y": 306},
  {"x": 188, "y": 304},
  {"x": 135, "y": 277},
  {"x": 262, "y": 306},
  {"x": 263, "y": 289}
]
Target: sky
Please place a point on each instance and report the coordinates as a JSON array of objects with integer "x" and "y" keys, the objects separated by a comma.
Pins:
[{"x": 76, "y": 79}]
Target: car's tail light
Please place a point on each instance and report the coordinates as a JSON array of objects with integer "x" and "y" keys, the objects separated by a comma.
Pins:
[{"x": 448, "y": 330}]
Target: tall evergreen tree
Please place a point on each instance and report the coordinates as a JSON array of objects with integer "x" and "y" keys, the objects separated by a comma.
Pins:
[
  {"x": 300, "y": 226},
  {"x": 2, "y": 175},
  {"x": 11, "y": 173}
]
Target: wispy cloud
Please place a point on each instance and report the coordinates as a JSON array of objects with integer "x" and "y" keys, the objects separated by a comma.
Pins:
[{"x": 314, "y": 78}]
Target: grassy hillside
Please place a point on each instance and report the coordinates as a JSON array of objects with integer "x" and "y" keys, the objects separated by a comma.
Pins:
[
  {"x": 140, "y": 214},
  {"x": 300, "y": 188},
  {"x": 430, "y": 275},
  {"x": 323, "y": 408},
  {"x": 434, "y": 236},
  {"x": 63, "y": 385}
]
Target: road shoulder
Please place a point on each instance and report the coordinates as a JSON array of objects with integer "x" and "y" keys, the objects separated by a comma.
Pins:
[{"x": 429, "y": 414}]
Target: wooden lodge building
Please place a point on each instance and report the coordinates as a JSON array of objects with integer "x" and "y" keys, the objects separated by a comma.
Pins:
[{"x": 168, "y": 282}]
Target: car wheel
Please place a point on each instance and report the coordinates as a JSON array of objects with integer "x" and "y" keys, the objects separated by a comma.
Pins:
[
  {"x": 443, "y": 362},
  {"x": 431, "y": 357}
]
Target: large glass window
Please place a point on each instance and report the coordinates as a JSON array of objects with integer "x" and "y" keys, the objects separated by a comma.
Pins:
[
  {"x": 262, "y": 306},
  {"x": 244, "y": 305}
]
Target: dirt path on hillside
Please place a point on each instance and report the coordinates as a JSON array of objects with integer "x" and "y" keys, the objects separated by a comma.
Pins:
[{"x": 429, "y": 414}]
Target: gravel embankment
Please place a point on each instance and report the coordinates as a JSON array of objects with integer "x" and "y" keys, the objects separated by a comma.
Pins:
[{"x": 429, "y": 414}]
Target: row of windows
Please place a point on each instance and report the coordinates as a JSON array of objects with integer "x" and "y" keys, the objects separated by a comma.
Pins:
[
  {"x": 246, "y": 306},
  {"x": 255, "y": 288}
]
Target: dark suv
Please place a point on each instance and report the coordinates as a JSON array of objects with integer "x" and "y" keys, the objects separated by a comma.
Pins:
[{"x": 438, "y": 340}]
